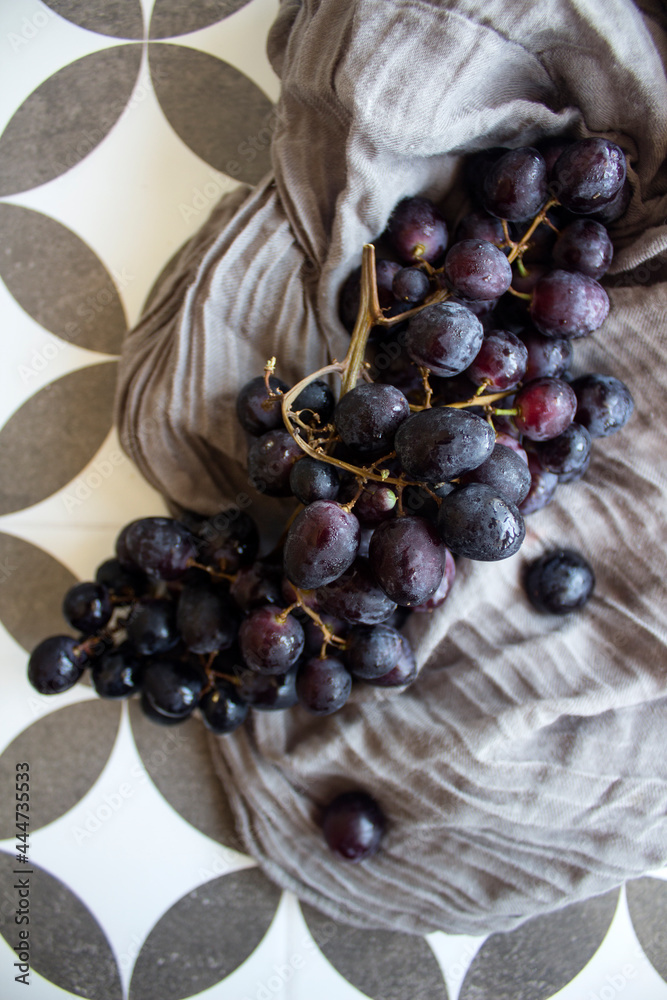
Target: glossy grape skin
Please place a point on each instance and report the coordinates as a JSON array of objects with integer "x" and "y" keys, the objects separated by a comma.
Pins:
[
  {"x": 476, "y": 523},
  {"x": 368, "y": 416},
  {"x": 267, "y": 692},
  {"x": 477, "y": 269},
  {"x": 411, "y": 285},
  {"x": 417, "y": 231},
  {"x": 438, "y": 598},
  {"x": 353, "y": 826},
  {"x": 550, "y": 356},
  {"x": 479, "y": 225},
  {"x": 542, "y": 487},
  {"x": 545, "y": 407},
  {"x": 588, "y": 175},
  {"x": 321, "y": 543},
  {"x": 256, "y": 585},
  {"x": 270, "y": 461},
  {"x": 559, "y": 582},
  {"x": 617, "y": 207},
  {"x": 270, "y": 641},
  {"x": 316, "y": 399},
  {"x": 440, "y": 443},
  {"x": 501, "y": 361},
  {"x": 505, "y": 471},
  {"x": 407, "y": 559},
  {"x": 222, "y": 708},
  {"x": 323, "y": 685},
  {"x": 256, "y": 411},
  {"x": 151, "y": 626},
  {"x": 117, "y": 673},
  {"x": 172, "y": 688},
  {"x": 227, "y": 540},
  {"x": 154, "y": 715},
  {"x": 355, "y": 596},
  {"x": 568, "y": 304},
  {"x": 87, "y": 607},
  {"x": 444, "y": 337},
  {"x": 123, "y": 583},
  {"x": 373, "y": 650},
  {"x": 403, "y": 674},
  {"x": 584, "y": 246},
  {"x": 204, "y": 618},
  {"x": 159, "y": 546},
  {"x": 56, "y": 664},
  {"x": 515, "y": 188},
  {"x": 604, "y": 403},
  {"x": 566, "y": 454},
  {"x": 312, "y": 480}
]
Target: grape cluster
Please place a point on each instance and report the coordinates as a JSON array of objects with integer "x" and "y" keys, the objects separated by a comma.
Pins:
[{"x": 457, "y": 416}]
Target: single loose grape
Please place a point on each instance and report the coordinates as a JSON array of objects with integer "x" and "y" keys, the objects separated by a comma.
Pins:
[
  {"x": 353, "y": 826},
  {"x": 559, "y": 582}
]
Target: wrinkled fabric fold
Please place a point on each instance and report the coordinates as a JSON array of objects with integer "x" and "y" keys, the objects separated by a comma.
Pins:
[{"x": 524, "y": 769}]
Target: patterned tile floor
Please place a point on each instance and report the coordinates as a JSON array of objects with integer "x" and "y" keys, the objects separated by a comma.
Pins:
[{"x": 121, "y": 124}]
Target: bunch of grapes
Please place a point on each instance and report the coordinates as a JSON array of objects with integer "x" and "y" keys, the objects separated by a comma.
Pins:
[{"x": 456, "y": 418}]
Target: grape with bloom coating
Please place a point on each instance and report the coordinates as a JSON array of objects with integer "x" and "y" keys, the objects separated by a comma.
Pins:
[
  {"x": 568, "y": 304},
  {"x": 440, "y": 443},
  {"x": 257, "y": 411},
  {"x": 368, "y": 416},
  {"x": 323, "y": 685},
  {"x": 604, "y": 403},
  {"x": 407, "y": 559},
  {"x": 444, "y": 337},
  {"x": 438, "y": 598},
  {"x": 270, "y": 461},
  {"x": 411, "y": 285},
  {"x": 568, "y": 453},
  {"x": 545, "y": 408},
  {"x": 321, "y": 543},
  {"x": 588, "y": 175},
  {"x": 417, "y": 231},
  {"x": 546, "y": 355},
  {"x": 355, "y": 596},
  {"x": 559, "y": 582},
  {"x": 515, "y": 187},
  {"x": 159, "y": 546},
  {"x": 204, "y": 617},
  {"x": 542, "y": 486},
  {"x": 475, "y": 522},
  {"x": 501, "y": 361},
  {"x": 584, "y": 246},
  {"x": 373, "y": 650},
  {"x": 477, "y": 269},
  {"x": 505, "y": 471},
  {"x": 270, "y": 641},
  {"x": 312, "y": 480}
]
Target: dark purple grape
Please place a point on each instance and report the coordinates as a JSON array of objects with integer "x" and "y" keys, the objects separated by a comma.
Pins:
[
  {"x": 617, "y": 207},
  {"x": 403, "y": 674},
  {"x": 546, "y": 355},
  {"x": 270, "y": 461},
  {"x": 373, "y": 650},
  {"x": 385, "y": 272},
  {"x": 227, "y": 540},
  {"x": 444, "y": 337},
  {"x": 316, "y": 399},
  {"x": 355, "y": 596},
  {"x": 256, "y": 585},
  {"x": 117, "y": 673},
  {"x": 416, "y": 500},
  {"x": 476, "y": 269},
  {"x": 545, "y": 408},
  {"x": 407, "y": 559},
  {"x": 124, "y": 584},
  {"x": 368, "y": 416},
  {"x": 505, "y": 471},
  {"x": 267, "y": 692},
  {"x": 476, "y": 523},
  {"x": 312, "y": 480},
  {"x": 501, "y": 361},
  {"x": 542, "y": 487},
  {"x": 515, "y": 187},
  {"x": 87, "y": 607},
  {"x": 323, "y": 685},
  {"x": 204, "y": 618},
  {"x": 271, "y": 642},
  {"x": 437, "y": 599},
  {"x": 510, "y": 441},
  {"x": 576, "y": 474},
  {"x": 172, "y": 688},
  {"x": 417, "y": 231},
  {"x": 159, "y": 546},
  {"x": 440, "y": 443},
  {"x": 56, "y": 664},
  {"x": 375, "y": 503},
  {"x": 566, "y": 454},
  {"x": 476, "y": 167},
  {"x": 568, "y": 304},
  {"x": 559, "y": 582},
  {"x": 551, "y": 149},
  {"x": 584, "y": 246},
  {"x": 604, "y": 403},
  {"x": 351, "y": 291},
  {"x": 353, "y": 826},
  {"x": 151, "y": 626},
  {"x": 222, "y": 708},
  {"x": 479, "y": 225},
  {"x": 122, "y": 553},
  {"x": 411, "y": 284},
  {"x": 158, "y": 717},
  {"x": 256, "y": 411},
  {"x": 588, "y": 175},
  {"x": 321, "y": 543}
]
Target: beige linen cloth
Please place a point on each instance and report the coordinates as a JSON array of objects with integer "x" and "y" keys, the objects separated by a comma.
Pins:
[{"x": 526, "y": 767}]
